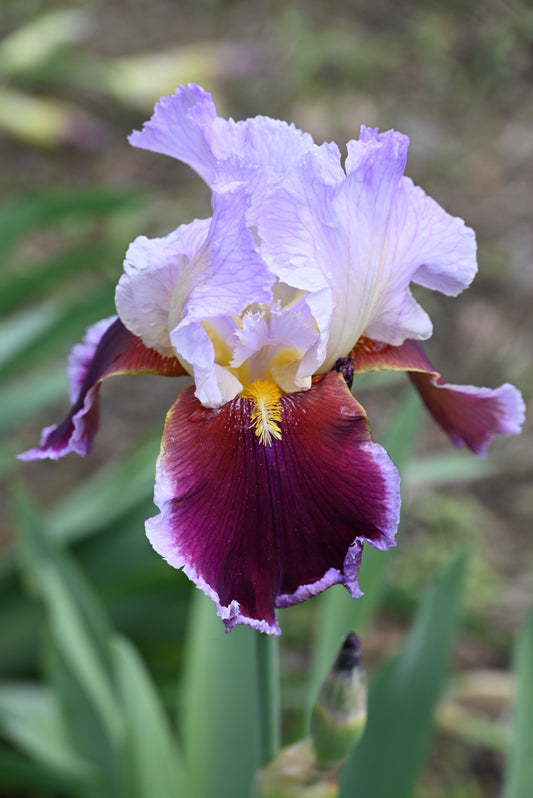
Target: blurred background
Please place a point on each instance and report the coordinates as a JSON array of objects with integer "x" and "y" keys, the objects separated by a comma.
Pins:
[{"x": 75, "y": 79}]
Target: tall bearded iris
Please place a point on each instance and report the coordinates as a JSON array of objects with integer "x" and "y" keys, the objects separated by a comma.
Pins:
[{"x": 268, "y": 481}]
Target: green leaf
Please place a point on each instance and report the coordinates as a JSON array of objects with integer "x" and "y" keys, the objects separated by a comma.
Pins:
[
  {"x": 219, "y": 714},
  {"x": 39, "y": 280},
  {"x": 86, "y": 729},
  {"x": 39, "y": 552},
  {"x": 108, "y": 495},
  {"x": 20, "y": 399},
  {"x": 30, "y": 718},
  {"x": 21, "y": 330},
  {"x": 403, "y": 697},
  {"x": 154, "y": 763},
  {"x": 401, "y": 435},
  {"x": 448, "y": 466},
  {"x": 19, "y": 217},
  {"x": 518, "y": 781},
  {"x": 63, "y": 326},
  {"x": 18, "y": 774},
  {"x": 78, "y": 627},
  {"x": 21, "y": 627}
]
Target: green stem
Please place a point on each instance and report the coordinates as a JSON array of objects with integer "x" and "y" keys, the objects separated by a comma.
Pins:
[{"x": 267, "y": 653}]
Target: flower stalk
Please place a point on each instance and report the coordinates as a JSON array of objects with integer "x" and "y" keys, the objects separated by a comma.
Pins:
[{"x": 267, "y": 653}]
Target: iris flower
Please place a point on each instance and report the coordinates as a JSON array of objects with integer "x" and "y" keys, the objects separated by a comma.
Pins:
[{"x": 268, "y": 482}]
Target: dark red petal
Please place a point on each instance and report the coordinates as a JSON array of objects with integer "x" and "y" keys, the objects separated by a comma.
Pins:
[
  {"x": 258, "y": 526},
  {"x": 469, "y": 415},
  {"x": 108, "y": 349}
]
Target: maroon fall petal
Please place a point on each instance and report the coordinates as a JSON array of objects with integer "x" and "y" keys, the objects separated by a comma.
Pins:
[
  {"x": 107, "y": 350},
  {"x": 262, "y": 526},
  {"x": 470, "y": 416}
]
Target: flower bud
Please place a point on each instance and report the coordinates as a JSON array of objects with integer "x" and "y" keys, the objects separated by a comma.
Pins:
[{"x": 339, "y": 714}]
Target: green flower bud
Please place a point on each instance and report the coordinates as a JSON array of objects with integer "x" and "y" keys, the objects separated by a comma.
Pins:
[{"x": 339, "y": 714}]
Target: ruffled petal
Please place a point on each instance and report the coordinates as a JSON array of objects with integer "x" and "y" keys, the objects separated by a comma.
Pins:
[
  {"x": 152, "y": 268},
  {"x": 277, "y": 344},
  {"x": 186, "y": 126},
  {"x": 441, "y": 244},
  {"x": 303, "y": 243},
  {"x": 262, "y": 526},
  {"x": 180, "y": 128},
  {"x": 424, "y": 245},
  {"x": 356, "y": 241},
  {"x": 108, "y": 349},
  {"x": 470, "y": 416},
  {"x": 224, "y": 278},
  {"x": 431, "y": 247}
]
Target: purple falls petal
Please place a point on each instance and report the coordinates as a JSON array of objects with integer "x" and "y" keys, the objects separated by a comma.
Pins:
[
  {"x": 258, "y": 527},
  {"x": 107, "y": 349},
  {"x": 470, "y": 416}
]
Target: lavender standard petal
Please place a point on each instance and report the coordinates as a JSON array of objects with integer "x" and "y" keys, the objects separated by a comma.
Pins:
[{"x": 186, "y": 126}]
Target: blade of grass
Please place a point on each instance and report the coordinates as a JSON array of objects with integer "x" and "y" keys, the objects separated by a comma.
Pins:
[
  {"x": 21, "y": 216},
  {"x": 20, "y": 399},
  {"x": 64, "y": 326},
  {"x": 30, "y": 718},
  {"x": 154, "y": 763},
  {"x": 38, "y": 552},
  {"x": 108, "y": 495},
  {"x": 518, "y": 781},
  {"x": 446, "y": 467},
  {"x": 78, "y": 627},
  {"x": 21, "y": 626},
  {"x": 86, "y": 730},
  {"x": 39, "y": 280},
  {"x": 219, "y": 713},
  {"x": 21, "y": 330},
  {"x": 19, "y": 775}
]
